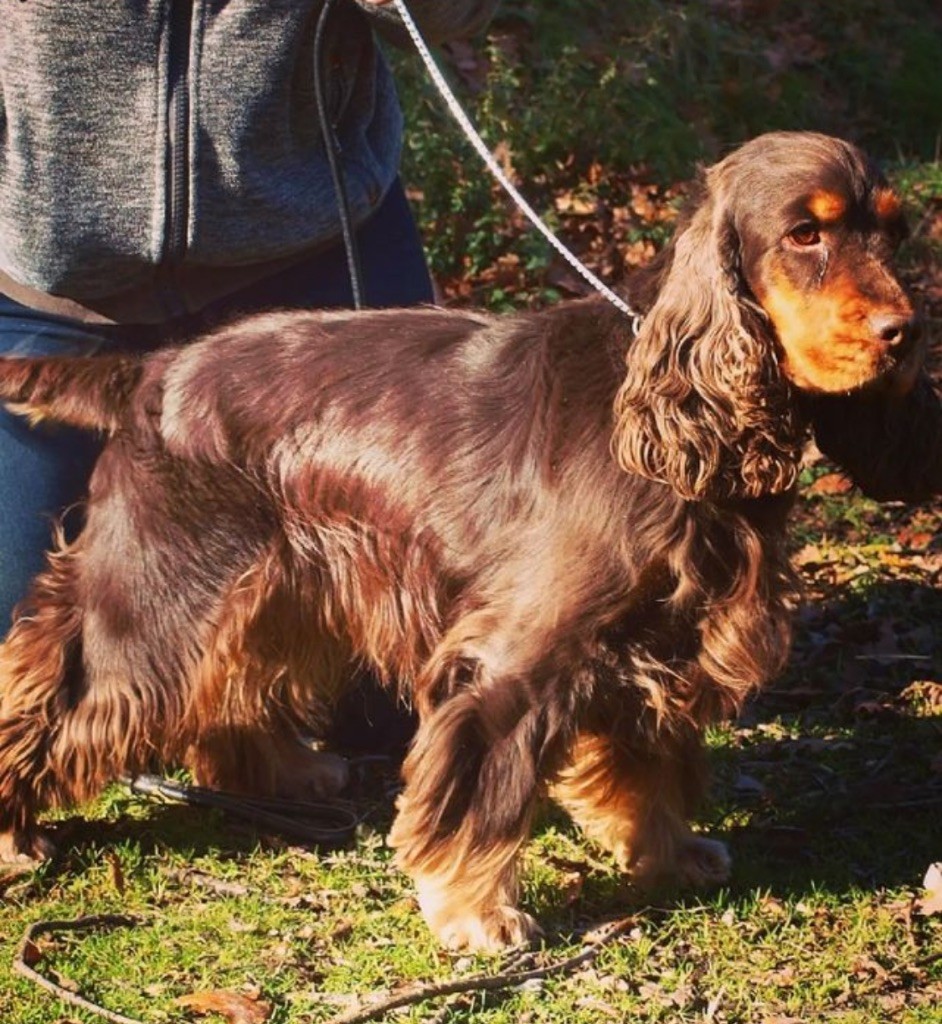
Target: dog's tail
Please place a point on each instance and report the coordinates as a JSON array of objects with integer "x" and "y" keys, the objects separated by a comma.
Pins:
[{"x": 90, "y": 392}]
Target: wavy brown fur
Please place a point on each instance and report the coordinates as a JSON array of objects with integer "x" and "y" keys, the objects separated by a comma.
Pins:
[
  {"x": 703, "y": 407},
  {"x": 565, "y": 545}
]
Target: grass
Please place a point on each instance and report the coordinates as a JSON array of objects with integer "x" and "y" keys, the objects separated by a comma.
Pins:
[
  {"x": 828, "y": 790},
  {"x": 821, "y": 808}
]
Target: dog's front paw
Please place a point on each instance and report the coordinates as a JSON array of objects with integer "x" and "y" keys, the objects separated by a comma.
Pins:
[
  {"x": 502, "y": 927},
  {"x": 694, "y": 862},
  {"x": 25, "y": 847},
  {"x": 703, "y": 862},
  {"x": 327, "y": 774}
]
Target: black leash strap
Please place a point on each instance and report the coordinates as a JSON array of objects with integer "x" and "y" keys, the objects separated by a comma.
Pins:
[
  {"x": 332, "y": 149},
  {"x": 322, "y": 824}
]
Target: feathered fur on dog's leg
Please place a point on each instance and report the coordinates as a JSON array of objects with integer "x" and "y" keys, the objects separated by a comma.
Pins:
[
  {"x": 472, "y": 777},
  {"x": 462, "y": 819},
  {"x": 89, "y": 392},
  {"x": 35, "y": 679},
  {"x": 267, "y": 672},
  {"x": 635, "y": 802}
]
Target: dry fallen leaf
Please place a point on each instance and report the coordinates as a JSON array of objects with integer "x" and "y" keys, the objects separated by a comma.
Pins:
[
  {"x": 808, "y": 556},
  {"x": 831, "y": 483},
  {"x": 576, "y": 205},
  {"x": 931, "y": 904},
  {"x": 924, "y": 691},
  {"x": 116, "y": 871},
  {"x": 31, "y": 954},
  {"x": 64, "y": 982},
  {"x": 599, "y": 1006},
  {"x": 773, "y": 907},
  {"x": 235, "y": 1007},
  {"x": 914, "y": 539},
  {"x": 572, "y": 885}
]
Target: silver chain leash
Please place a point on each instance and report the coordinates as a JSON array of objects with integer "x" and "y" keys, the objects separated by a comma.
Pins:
[{"x": 494, "y": 167}]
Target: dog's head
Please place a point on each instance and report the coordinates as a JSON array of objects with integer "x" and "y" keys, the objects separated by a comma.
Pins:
[{"x": 779, "y": 281}]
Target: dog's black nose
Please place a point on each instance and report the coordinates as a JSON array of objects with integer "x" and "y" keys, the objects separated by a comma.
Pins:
[{"x": 894, "y": 329}]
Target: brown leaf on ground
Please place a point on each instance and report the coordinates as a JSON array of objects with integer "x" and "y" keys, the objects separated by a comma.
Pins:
[
  {"x": 643, "y": 202},
  {"x": 598, "y": 1006},
  {"x": 772, "y": 907},
  {"x": 561, "y": 276},
  {"x": 832, "y": 483},
  {"x": 576, "y": 204},
  {"x": 915, "y": 539},
  {"x": 572, "y": 886},
  {"x": 504, "y": 156},
  {"x": 64, "y": 982},
  {"x": 10, "y": 874},
  {"x": 924, "y": 691},
  {"x": 808, "y": 556},
  {"x": 31, "y": 953},
  {"x": 638, "y": 253},
  {"x": 116, "y": 871},
  {"x": 235, "y": 1007}
]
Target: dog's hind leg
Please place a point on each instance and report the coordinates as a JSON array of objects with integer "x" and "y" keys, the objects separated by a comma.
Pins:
[
  {"x": 37, "y": 663},
  {"x": 268, "y": 675},
  {"x": 634, "y": 798}
]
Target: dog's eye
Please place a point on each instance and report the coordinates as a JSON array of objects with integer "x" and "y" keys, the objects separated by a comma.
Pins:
[{"x": 805, "y": 235}]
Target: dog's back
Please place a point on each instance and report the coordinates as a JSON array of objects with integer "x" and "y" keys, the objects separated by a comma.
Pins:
[{"x": 286, "y": 494}]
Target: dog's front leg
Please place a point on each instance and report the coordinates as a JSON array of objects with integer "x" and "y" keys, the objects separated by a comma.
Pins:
[{"x": 471, "y": 781}]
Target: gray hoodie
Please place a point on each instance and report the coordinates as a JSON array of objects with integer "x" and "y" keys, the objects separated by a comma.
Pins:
[{"x": 156, "y": 153}]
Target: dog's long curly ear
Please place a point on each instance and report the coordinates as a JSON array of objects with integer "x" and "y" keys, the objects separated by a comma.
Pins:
[
  {"x": 703, "y": 406},
  {"x": 891, "y": 445}
]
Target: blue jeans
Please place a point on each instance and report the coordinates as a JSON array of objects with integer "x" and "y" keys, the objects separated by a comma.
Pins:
[{"x": 44, "y": 471}]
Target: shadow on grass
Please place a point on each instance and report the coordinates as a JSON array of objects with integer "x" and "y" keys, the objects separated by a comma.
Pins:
[
  {"x": 832, "y": 781},
  {"x": 190, "y": 830},
  {"x": 849, "y": 813},
  {"x": 837, "y": 769}
]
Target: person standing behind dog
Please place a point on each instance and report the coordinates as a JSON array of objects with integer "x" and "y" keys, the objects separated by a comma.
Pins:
[{"x": 162, "y": 167}]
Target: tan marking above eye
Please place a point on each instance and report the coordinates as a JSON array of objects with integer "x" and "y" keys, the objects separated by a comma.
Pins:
[
  {"x": 827, "y": 206},
  {"x": 887, "y": 204}
]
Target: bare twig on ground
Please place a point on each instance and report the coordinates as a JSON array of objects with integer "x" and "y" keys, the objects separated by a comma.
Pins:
[
  {"x": 28, "y": 944},
  {"x": 203, "y": 880},
  {"x": 489, "y": 982},
  {"x": 595, "y": 942}
]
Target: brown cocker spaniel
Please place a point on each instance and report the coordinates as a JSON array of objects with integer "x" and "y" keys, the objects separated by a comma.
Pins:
[{"x": 563, "y": 543}]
